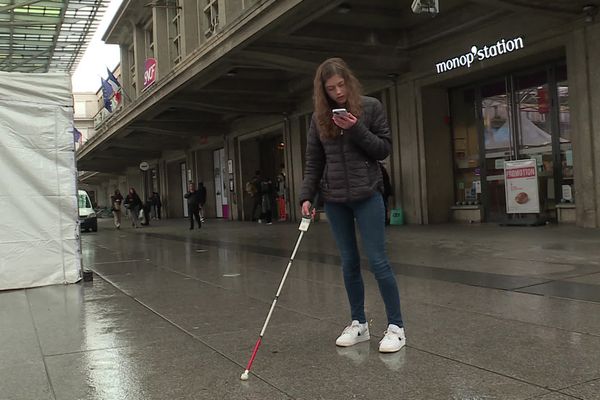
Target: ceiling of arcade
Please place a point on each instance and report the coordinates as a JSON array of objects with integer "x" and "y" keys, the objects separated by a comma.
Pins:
[{"x": 273, "y": 74}]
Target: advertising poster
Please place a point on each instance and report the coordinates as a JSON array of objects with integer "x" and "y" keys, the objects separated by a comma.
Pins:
[{"x": 522, "y": 194}]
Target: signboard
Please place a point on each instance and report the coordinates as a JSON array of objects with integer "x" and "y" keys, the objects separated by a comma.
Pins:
[
  {"x": 149, "y": 72},
  {"x": 230, "y": 166},
  {"x": 522, "y": 194},
  {"x": 467, "y": 59},
  {"x": 567, "y": 193},
  {"x": 144, "y": 166}
]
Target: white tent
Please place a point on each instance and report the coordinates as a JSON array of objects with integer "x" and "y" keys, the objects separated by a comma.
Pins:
[{"x": 39, "y": 239}]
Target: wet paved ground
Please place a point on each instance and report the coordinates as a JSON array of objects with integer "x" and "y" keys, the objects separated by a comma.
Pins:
[{"x": 490, "y": 313}]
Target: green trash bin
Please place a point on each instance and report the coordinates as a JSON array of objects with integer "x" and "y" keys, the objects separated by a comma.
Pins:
[{"x": 396, "y": 216}]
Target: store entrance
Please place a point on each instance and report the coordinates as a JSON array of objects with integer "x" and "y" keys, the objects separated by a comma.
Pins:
[
  {"x": 514, "y": 117},
  {"x": 266, "y": 154}
]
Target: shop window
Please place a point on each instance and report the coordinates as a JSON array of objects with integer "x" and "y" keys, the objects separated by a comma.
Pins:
[
  {"x": 517, "y": 116},
  {"x": 465, "y": 140}
]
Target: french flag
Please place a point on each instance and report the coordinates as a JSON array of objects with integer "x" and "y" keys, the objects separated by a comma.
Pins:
[{"x": 112, "y": 80}]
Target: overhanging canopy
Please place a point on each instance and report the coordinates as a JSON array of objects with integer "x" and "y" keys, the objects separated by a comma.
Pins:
[{"x": 48, "y": 35}]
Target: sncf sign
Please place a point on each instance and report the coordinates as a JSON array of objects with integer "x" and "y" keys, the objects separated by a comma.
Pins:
[
  {"x": 149, "y": 72},
  {"x": 479, "y": 54}
]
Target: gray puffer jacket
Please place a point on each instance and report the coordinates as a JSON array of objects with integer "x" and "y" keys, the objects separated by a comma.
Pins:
[{"x": 345, "y": 168}]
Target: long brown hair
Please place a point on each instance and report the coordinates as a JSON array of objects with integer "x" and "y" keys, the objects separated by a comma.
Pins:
[{"x": 323, "y": 103}]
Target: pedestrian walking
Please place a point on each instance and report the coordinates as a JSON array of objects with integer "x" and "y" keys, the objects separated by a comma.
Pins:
[
  {"x": 342, "y": 154},
  {"x": 253, "y": 190},
  {"x": 266, "y": 203},
  {"x": 156, "y": 205},
  {"x": 193, "y": 203},
  {"x": 134, "y": 205},
  {"x": 117, "y": 201},
  {"x": 201, "y": 199},
  {"x": 281, "y": 194}
]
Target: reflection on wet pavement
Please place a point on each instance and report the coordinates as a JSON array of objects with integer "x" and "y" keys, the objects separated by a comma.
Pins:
[{"x": 171, "y": 314}]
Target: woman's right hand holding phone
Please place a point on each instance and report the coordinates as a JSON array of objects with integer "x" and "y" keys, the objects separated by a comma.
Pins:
[{"x": 344, "y": 121}]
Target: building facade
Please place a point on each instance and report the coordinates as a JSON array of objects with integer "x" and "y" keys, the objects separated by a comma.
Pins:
[{"x": 217, "y": 89}]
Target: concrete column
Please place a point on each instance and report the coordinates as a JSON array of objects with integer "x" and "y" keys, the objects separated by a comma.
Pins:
[
  {"x": 394, "y": 164},
  {"x": 583, "y": 57},
  {"x": 288, "y": 160},
  {"x": 189, "y": 30},
  {"x": 411, "y": 154},
  {"x": 238, "y": 195},
  {"x": 190, "y": 164},
  {"x": 163, "y": 190},
  {"x": 295, "y": 172},
  {"x": 128, "y": 96},
  {"x": 161, "y": 41},
  {"x": 439, "y": 175},
  {"x": 231, "y": 196},
  {"x": 139, "y": 50}
]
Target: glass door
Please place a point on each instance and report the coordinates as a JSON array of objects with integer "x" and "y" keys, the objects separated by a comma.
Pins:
[
  {"x": 499, "y": 145},
  {"x": 467, "y": 154},
  {"x": 534, "y": 134},
  {"x": 565, "y": 185},
  {"x": 517, "y": 116}
]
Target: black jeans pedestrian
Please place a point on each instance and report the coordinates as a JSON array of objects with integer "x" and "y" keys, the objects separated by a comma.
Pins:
[{"x": 194, "y": 212}]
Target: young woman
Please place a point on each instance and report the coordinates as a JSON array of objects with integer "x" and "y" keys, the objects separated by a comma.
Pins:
[{"x": 341, "y": 162}]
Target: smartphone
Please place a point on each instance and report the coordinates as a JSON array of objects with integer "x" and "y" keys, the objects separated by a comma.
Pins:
[{"x": 341, "y": 112}]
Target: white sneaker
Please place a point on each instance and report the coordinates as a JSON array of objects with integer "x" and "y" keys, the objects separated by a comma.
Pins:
[
  {"x": 353, "y": 333},
  {"x": 393, "y": 339}
]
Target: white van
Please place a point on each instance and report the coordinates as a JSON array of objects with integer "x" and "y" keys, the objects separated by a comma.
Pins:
[{"x": 87, "y": 215}]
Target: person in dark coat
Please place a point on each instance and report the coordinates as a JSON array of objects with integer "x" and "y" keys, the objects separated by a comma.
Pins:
[
  {"x": 193, "y": 202},
  {"x": 201, "y": 199},
  {"x": 134, "y": 205},
  {"x": 342, "y": 154},
  {"x": 253, "y": 189},
  {"x": 266, "y": 209}
]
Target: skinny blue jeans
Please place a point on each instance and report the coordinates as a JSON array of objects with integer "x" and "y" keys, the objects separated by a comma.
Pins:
[{"x": 370, "y": 217}]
